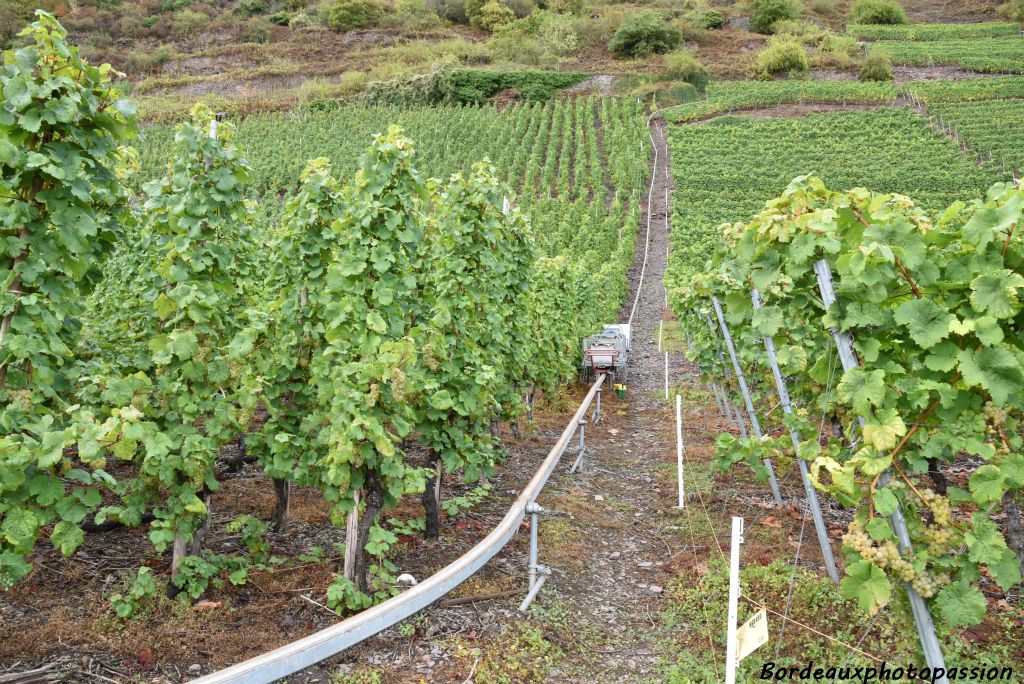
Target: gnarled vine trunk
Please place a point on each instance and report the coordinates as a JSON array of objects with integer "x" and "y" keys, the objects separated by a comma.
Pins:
[
  {"x": 432, "y": 498},
  {"x": 283, "y": 496},
  {"x": 374, "y": 503}
]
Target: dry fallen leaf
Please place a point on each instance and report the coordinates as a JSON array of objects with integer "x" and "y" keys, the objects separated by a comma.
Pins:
[
  {"x": 207, "y": 605},
  {"x": 771, "y": 521}
]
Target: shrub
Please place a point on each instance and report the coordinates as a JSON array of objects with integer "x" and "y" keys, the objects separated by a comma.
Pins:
[
  {"x": 257, "y": 30},
  {"x": 843, "y": 50},
  {"x": 567, "y": 6},
  {"x": 706, "y": 19},
  {"x": 189, "y": 23},
  {"x": 783, "y": 55},
  {"x": 682, "y": 66},
  {"x": 767, "y": 12},
  {"x": 346, "y": 15},
  {"x": 876, "y": 67},
  {"x": 452, "y": 10},
  {"x": 415, "y": 14},
  {"x": 826, "y": 8},
  {"x": 644, "y": 34},
  {"x": 521, "y": 8},
  {"x": 251, "y": 7},
  {"x": 1012, "y": 10},
  {"x": 877, "y": 12},
  {"x": 149, "y": 61},
  {"x": 804, "y": 32},
  {"x": 492, "y": 16}
]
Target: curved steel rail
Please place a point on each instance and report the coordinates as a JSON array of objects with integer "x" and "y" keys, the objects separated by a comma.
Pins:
[{"x": 309, "y": 650}]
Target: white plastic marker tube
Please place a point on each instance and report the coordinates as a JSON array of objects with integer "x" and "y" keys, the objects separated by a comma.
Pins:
[
  {"x": 666, "y": 376},
  {"x": 731, "y": 647},
  {"x": 679, "y": 450}
]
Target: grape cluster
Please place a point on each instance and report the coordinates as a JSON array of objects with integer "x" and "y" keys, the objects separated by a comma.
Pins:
[
  {"x": 374, "y": 395},
  {"x": 21, "y": 398},
  {"x": 429, "y": 358},
  {"x": 940, "y": 536},
  {"x": 398, "y": 384},
  {"x": 928, "y": 584},
  {"x": 885, "y": 555}
]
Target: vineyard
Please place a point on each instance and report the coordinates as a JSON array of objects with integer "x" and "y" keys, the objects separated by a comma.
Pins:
[
  {"x": 991, "y": 55},
  {"x": 290, "y": 396},
  {"x": 992, "y": 130},
  {"x": 929, "y": 32}
]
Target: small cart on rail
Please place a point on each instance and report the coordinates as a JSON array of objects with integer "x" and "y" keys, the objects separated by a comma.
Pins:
[{"x": 607, "y": 352}]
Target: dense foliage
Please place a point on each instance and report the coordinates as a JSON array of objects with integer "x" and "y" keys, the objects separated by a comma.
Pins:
[
  {"x": 932, "y": 304},
  {"x": 63, "y": 125},
  {"x": 886, "y": 12},
  {"x": 390, "y": 309},
  {"x": 769, "y": 12},
  {"x": 644, "y": 34}
]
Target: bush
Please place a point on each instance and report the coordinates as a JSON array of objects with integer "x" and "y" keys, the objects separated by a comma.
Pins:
[
  {"x": 877, "y": 12},
  {"x": 1012, "y": 10},
  {"x": 804, "y": 32},
  {"x": 876, "y": 67},
  {"x": 251, "y": 7},
  {"x": 706, "y": 19},
  {"x": 644, "y": 34},
  {"x": 826, "y": 8},
  {"x": 452, "y": 10},
  {"x": 682, "y": 66},
  {"x": 188, "y": 23},
  {"x": 843, "y": 50},
  {"x": 347, "y": 15},
  {"x": 492, "y": 16},
  {"x": 415, "y": 14},
  {"x": 767, "y": 12},
  {"x": 149, "y": 61},
  {"x": 783, "y": 55},
  {"x": 257, "y": 30}
]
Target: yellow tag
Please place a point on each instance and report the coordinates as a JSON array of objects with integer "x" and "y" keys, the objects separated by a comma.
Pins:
[{"x": 752, "y": 635}]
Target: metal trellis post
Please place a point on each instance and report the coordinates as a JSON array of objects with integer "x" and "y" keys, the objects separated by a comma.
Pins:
[
  {"x": 721, "y": 369},
  {"x": 755, "y": 426},
  {"x": 922, "y": 618},
  {"x": 811, "y": 492}
]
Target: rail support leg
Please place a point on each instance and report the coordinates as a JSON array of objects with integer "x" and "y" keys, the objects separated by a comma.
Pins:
[
  {"x": 538, "y": 572},
  {"x": 596, "y": 418},
  {"x": 583, "y": 447}
]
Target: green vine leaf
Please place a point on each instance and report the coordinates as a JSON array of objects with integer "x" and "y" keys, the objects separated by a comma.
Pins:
[{"x": 961, "y": 604}]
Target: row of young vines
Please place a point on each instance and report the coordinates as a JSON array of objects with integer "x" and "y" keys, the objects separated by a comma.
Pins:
[
  {"x": 141, "y": 333},
  {"x": 932, "y": 301}
]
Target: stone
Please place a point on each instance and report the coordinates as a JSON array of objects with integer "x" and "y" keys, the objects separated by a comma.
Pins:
[
  {"x": 655, "y": 589},
  {"x": 195, "y": 668},
  {"x": 614, "y": 555}
]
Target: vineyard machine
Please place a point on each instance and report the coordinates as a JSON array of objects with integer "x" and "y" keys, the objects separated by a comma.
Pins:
[{"x": 607, "y": 353}]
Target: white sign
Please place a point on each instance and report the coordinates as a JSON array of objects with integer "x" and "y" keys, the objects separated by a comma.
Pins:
[{"x": 752, "y": 634}]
